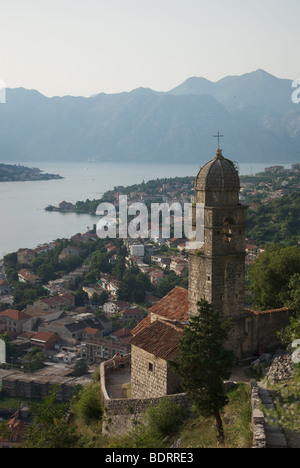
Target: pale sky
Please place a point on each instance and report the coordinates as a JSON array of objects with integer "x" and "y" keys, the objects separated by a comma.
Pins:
[{"x": 85, "y": 47}]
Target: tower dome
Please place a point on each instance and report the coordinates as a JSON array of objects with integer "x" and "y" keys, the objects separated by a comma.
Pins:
[{"x": 218, "y": 183}]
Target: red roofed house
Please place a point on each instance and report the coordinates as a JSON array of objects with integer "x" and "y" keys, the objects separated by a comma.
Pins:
[
  {"x": 68, "y": 251},
  {"x": 25, "y": 256},
  {"x": 114, "y": 307},
  {"x": 56, "y": 302},
  {"x": 123, "y": 335},
  {"x": 12, "y": 321},
  {"x": 4, "y": 287},
  {"x": 91, "y": 333},
  {"x": 44, "y": 340},
  {"x": 155, "y": 341},
  {"x": 26, "y": 276},
  {"x": 16, "y": 429},
  {"x": 132, "y": 313}
]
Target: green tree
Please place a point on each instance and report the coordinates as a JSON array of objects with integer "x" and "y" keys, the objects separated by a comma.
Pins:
[
  {"x": 294, "y": 293},
  {"x": 11, "y": 267},
  {"x": 203, "y": 363},
  {"x": 27, "y": 293},
  {"x": 81, "y": 297},
  {"x": 292, "y": 331},
  {"x": 165, "y": 419},
  {"x": 49, "y": 427},
  {"x": 100, "y": 261},
  {"x": 80, "y": 368},
  {"x": 88, "y": 405},
  {"x": 271, "y": 274},
  {"x": 34, "y": 360},
  {"x": 134, "y": 286}
]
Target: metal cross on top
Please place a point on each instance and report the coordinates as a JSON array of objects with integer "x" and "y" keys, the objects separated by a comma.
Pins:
[{"x": 218, "y": 136}]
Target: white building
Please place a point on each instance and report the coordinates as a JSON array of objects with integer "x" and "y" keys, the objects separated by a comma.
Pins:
[{"x": 137, "y": 250}]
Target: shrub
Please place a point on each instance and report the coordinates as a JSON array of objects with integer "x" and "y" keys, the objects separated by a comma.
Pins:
[
  {"x": 89, "y": 406},
  {"x": 165, "y": 419}
]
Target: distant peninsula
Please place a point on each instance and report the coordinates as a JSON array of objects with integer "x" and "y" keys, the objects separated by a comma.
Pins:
[{"x": 18, "y": 173}]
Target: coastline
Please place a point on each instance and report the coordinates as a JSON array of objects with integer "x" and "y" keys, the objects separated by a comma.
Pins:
[{"x": 18, "y": 173}]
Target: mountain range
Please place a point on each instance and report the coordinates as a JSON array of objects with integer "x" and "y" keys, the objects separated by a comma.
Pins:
[{"x": 254, "y": 112}]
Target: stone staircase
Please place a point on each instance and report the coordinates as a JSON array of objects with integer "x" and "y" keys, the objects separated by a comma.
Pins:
[{"x": 265, "y": 435}]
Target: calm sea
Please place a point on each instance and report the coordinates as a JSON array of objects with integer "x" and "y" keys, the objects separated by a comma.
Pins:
[{"x": 25, "y": 224}]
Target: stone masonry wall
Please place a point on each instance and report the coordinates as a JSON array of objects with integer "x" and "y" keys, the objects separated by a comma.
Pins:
[
  {"x": 152, "y": 372},
  {"x": 121, "y": 415}
]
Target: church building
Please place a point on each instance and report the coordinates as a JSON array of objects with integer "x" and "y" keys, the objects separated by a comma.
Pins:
[{"x": 216, "y": 274}]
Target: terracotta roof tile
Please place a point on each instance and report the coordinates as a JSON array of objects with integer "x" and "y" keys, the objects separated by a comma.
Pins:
[
  {"x": 123, "y": 332},
  {"x": 174, "y": 305},
  {"x": 160, "y": 338},
  {"x": 270, "y": 311},
  {"x": 91, "y": 331},
  {"x": 14, "y": 314},
  {"x": 132, "y": 311},
  {"x": 142, "y": 325},
  {"x": 42, "y": 336}
]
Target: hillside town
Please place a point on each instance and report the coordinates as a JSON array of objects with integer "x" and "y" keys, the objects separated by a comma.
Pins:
[
  {"x": 77, "y": 300},
  {"x": 85, "y": 312}
]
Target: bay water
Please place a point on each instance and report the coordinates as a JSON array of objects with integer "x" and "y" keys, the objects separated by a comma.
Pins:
[{"x": 25, "y": 224}]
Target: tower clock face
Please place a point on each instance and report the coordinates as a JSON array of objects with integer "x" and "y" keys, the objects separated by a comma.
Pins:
[{"x": 227, "y": 232}]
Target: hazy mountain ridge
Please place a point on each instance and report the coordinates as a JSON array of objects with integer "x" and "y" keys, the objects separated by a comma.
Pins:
[{"x": 254, "y": 112}]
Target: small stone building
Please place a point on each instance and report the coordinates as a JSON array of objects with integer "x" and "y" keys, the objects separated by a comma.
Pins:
[{"x": 155, "y": 342}]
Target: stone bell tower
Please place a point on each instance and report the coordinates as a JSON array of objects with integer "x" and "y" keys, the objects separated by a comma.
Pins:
[{"x": 217, "y": 270}]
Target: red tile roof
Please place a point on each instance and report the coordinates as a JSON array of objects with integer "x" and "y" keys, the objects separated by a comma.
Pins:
[
  {"x": 173, "y": 306},
  {"x": 3, "y": 283},
  {"x": 25, "y": 273},
  {"x": 132, "y": 311},
  {"x": 142, "y": 325},
  {"x": 121, "y": 304},
  {"x": 42, "y": 336},
  {"x": 160, "y": 338},
  {"x": 152, "y": 299},
  {"x": 26, "y": 335},
  {"x": 14, "y": 314},
  {"x": 269, "y": 311},
  {"x": 91, "y": 331},
  {"x": 123, "y": 332}
]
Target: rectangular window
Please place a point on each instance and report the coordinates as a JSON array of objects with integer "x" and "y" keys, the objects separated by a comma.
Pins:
[{"x": 150, "y": 367}]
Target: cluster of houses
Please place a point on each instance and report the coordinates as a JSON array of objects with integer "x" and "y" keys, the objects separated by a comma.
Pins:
[
  {"x": 63, "y": 331},
  {"x": 66, "y": 333},
  {"x": 156, "y": 264},
  {"x": 252, "y": 252},
  {"x": 167, "y": 192},
  {"x": 267, "y": 190}
]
